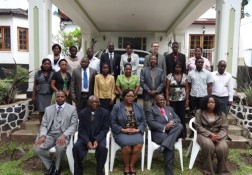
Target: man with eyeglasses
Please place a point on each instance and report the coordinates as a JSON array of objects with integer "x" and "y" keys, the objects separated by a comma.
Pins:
[{"x": 160, "y": 58}]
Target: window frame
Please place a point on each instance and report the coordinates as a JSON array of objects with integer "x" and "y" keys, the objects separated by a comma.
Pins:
[
  {"x": 27, "y": 39},
  {"x": 3, "y": 38}
]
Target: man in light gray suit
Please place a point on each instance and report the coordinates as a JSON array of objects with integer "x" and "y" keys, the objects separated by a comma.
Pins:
[
  {"x": 165, "y": 128},
  {"x": 152, "y": 80},
  {"x": 58, "y": 124},
  {"x": 82, "y": 84},
  {"x": 160, "y": 58}
]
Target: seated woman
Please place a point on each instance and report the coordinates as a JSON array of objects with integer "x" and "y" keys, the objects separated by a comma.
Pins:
[
  {"x": 128, "y": 125},
  {"x": 127, "y": 81},
  {"x": 211, "y": 125}
]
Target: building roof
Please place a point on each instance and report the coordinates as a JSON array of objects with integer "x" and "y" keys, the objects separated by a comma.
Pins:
[{"x": 14, "y": 12}]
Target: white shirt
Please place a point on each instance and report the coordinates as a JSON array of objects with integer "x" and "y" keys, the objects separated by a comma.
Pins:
[
  {"x": 55, "y": 67},
  {"x": 134, "y": 62},
  {"x": 222, "y": 85},
  {"x": 62, "y": 106},
  {"x": 94, "y": 63},
  {"x": 82, "y": 74}
]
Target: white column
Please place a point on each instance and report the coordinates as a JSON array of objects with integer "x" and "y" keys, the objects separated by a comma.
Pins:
[
  {"x": 179, "y": 36},
  {"x": 228, "y": 14},
  {"x": 86, "y": 42},
  {"x": 40, "y": 33}
]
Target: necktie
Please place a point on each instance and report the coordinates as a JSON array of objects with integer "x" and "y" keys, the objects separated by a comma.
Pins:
[
  {"x": 58, "y": 110},
  {"x": 85, "y": 79},
  {"x": 162, "y": 111}
]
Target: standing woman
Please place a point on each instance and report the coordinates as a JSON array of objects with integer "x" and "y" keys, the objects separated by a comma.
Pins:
[
  {"x": 212, "y": 126},
  {"x": 61, "y": 81},
  {"x": 177, "y": 93},
  {"x": 128, "y": 125},
  {"x": 42, "y": 93},
  {"x": 127, "y": 81},
  {"x": 131, "y": 58},
  {"x": 72, "y": 60},
  {"x": 104, "y": 87},
  {"x": 55, "y": 57}
]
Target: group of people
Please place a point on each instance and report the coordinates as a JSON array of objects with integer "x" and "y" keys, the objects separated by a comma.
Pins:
[{"x": 90, "y": 84}]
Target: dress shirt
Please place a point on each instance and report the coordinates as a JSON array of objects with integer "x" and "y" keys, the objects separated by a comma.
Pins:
[
  {"x": 94, "y": 63},
  {"x": 199, "y": 81},
  {"x": 104, "y": 87},
  {"x": 191, "y": 64},
  {"x": 82, "y": 73},
  {"x": 62, "y": 106},
  {"x": 134, "y": 62},
  {"x": 222, "y": 85},
  {"x": 55, "y": 67},
  {"x": 111, "y": 56}
]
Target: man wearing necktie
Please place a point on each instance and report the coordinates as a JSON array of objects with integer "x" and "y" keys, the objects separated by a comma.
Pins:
[
  {"x": 82, "y": 84},
  {"x": 165, "y": 128},
  {"x": 58, "y": 124},
  {"x": 93, "y": 128},
  {"x": 112, "y": 59}
]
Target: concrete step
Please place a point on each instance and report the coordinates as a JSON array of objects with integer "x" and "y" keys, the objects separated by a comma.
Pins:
[
  {"x": 34, "y": 115},
  {"x": 231, "y": 120},
  {"x": 31, "y": 125},
  {"x": 237, "y": 131},
  {"x": 24, "y": 136}
]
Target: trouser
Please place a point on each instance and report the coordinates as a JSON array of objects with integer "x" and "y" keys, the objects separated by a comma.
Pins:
[
  {"x": 105, "y": 103},
  {"x": 223, "y": 104},
  {"x": 79, "y": 152},
  {"x": 179, "y": 108},
  {"x": 82, "y": 104},
  {"x": 42, "y": 152}
]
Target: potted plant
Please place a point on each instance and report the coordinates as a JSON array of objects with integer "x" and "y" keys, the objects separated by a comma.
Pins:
[{"x": 12, "y": 111}]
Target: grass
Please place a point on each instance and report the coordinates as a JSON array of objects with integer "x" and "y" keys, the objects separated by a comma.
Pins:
[{"x": 14, "y": 167}]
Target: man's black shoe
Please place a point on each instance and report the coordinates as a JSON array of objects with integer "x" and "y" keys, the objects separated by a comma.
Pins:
[
  {"x": 56, "y": 172},
  {"x": 161, "y": 149},
  {"x": 49, "y": 171}
]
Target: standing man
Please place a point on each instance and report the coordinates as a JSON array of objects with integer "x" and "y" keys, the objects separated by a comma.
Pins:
[
  {"x": 160, "y": 58},
  {"x": 200, "y": 84},
  {"x": 223, "y": 86},
  {"x": 93, "y": 128},
  {"x": 59, "y": 123},
  {"x": 94, "y": 62},
  {"x": 152, "y": 80},
  {"x": 165, "y": 129},
  {"x": 112, "y": 59},
  {"x": 174, "y": 57},
  {"x": 82, "y": 84}
]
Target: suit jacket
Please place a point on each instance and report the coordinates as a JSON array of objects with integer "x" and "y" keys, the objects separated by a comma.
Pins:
[
  {"x": 76, "y": 83},
  {"x": 118, "y": 118},
  {"x": 69, "y": 120},
  {"x": 95, "y": 130},
  {"x": 161, "y": 62},
  {"x": 156, "y": 121},
  {"x": 204, "y": 127},
  {"x": 170, "y": 62},
  {"x": 145, "y": 81},
  {"x": 116, "y": 63}
]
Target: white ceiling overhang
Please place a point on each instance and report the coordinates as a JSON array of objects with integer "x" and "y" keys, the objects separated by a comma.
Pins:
[{"x": 133, "y": 15}]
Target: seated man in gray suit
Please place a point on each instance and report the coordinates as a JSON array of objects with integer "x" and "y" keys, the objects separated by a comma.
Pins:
[
  {"x": 58, "y": 124},
  {"x": 165, "y": 128},
  {"x": 152, "y": 80}
]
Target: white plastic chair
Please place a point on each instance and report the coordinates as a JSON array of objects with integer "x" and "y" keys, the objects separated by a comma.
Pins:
[
  {"x": 152, "y": 146},
  {"x": 194, "y": 147},
  {"x": 115, "y": 147},
  {"x": 69, "y": 154},
  {"x": 106, "y": 166}
]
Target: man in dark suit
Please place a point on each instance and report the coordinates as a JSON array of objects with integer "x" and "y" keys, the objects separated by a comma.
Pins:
[
  {"x": 165, "y": 128},
  {"x": 112, "y": 59},
  {"x": 82, "y": 84},
  {"x": 174, "y": 57},
  {"x": 152, "y": 80},
  {"x": 58, "y": 124},
  {"x": 93, "y": 128},
  {"x": 160, "y": 58}
]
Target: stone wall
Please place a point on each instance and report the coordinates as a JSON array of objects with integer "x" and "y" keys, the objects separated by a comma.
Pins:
[{"x": 12, "y": 115}]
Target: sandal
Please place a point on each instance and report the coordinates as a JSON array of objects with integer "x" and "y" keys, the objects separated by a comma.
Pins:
[
  {"x": 126, "y": 173},
  {"x": 132, "y": 170}
]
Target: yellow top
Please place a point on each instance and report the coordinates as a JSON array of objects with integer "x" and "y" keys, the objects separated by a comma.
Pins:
[{"x": 104, "y": 88}]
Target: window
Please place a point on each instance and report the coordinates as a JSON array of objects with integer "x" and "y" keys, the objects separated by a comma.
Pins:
[
  {"x": 22, "y": 39},
  {"x": 5, "y": 38},
  {"x": 137, "y": 42}
]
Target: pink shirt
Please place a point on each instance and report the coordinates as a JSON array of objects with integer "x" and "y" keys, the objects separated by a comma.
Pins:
[{"x": 191, "y": 64}]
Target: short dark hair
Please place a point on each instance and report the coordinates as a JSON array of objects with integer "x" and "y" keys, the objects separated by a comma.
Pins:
[
  {"x": 175, "y": 42},
  {"x": 204, "y": 101},
  {"x": 62, "y": 60},
  {"x": 72, "y": 47},
  {"x": 56, "y": 45},
  {"x": 129, "y": 44},
  {"x": 198, "y": 47},
  {"x": 43, "y": 61},
  {"x": 126, "y": 91},
  {"x": 61, "y": 91},
  {"x": 127, "y": 64}
]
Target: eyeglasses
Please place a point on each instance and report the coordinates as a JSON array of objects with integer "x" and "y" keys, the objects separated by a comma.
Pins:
[{"x": 155, "y": 46}]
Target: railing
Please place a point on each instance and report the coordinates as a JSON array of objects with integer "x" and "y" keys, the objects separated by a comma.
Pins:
[{"x": 207, "y": 53}]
